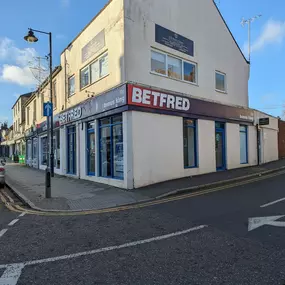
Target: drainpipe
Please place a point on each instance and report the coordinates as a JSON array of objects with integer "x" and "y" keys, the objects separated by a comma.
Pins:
[
  {"x": 258, "y": 144},
  {"x": 65, "y": 80}
]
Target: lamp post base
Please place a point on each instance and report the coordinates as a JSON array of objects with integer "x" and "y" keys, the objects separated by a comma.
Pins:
[{"x": 48, "y": 183}]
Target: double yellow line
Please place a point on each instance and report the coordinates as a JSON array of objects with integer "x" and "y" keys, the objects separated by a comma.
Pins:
[{"x": 17, "y": 208}]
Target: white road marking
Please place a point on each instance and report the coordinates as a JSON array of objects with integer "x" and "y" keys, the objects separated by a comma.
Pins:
[
  {"x": 2, "y": 232},
  {"x": 22, "y": 215},
  {"x": 13, "y": 222},
  {"x": 272, "y": 203},
  {"x": 254, "y": 223},
  {"x": 11, "y": 274},
  {"x": 104, "y": 249}
]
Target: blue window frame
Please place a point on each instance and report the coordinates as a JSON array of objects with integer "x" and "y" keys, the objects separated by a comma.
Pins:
[
  {"x": 111, "y": 147},
  {"x": 190, "y": 143},
  {"x": 243, "y": 144},
  {"x": 220, "y": 146},
  {"x": 71, "y": 150},
  {"x": 90, "y": 151}
]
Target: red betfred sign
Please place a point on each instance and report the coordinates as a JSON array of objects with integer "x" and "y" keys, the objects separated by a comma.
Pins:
[{"x": 144, "y": 97}]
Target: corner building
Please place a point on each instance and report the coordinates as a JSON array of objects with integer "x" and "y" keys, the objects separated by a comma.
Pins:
[{"x": 152, "y": 91}]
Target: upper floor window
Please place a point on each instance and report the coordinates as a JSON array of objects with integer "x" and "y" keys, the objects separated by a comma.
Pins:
[
  {"x": 220, "y": 81},
  {"x": 54, "y": 94},
  {"x": 93, "y": 72},
  {"x": 84, "y": 77},
  {"x": 35, "y": 111},
  {"x": 189, "y": 72},
  {"x": 104, "y": 65},
  {"x": 71, "y": 86},
  {"x": 173, "y": 67},
  {"x": 158, "y": 62},
  {"x": 28, "y": 116}
]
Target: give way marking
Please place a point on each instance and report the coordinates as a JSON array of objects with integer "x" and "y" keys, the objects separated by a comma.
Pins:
[
  {"x": 254, "y": 223},
  {"x": 13, "y": 271}
]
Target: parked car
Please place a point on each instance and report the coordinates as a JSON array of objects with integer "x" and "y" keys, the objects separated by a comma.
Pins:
[{"x": 2, "y": 172}]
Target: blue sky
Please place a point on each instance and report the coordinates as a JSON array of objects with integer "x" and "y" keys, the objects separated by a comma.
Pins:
[{"x": 66, "y": 18}]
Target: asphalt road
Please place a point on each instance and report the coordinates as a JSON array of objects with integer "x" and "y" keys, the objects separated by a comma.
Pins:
[{"x": 198, "y": 240}]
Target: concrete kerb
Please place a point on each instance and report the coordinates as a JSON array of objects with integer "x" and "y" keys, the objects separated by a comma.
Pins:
[
  {"x": 28, "y": 202},
  {"x": 217, "y": 184}
]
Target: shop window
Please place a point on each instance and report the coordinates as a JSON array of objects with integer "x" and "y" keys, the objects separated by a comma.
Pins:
[
  {"x": 84, "y": 77},
  {"x": 44, "y": 144},
  {"x": 71, "y": 86},
  {"x": 71, "y": 150},
  {"x": 190, "y": 148},
  {"x": 189, "y": 72},
  {"x": 56, "y": 144},
  {"x": 174, "y": 67},
  {"x": 220, "y": 81},
  {"x": 35, "y": 149},
  {"x": 90, "y": 153},
  {"x": 111, "y": 147},
  {"x": 243, "y": 145},
  {"x": 158, "y": 62}
]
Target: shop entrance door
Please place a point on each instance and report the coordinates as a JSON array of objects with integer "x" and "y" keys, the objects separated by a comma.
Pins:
[
  {"x": 220, "y": 146},
  {"x": 91, "y": 152},
  {"x": 71, "y": 150}
]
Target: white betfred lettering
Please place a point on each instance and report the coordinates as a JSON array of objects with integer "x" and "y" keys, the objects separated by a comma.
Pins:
[
  {"x": 178, "y": 103},
  {"x": 146, "y": 97},
  {"x": 185, "y": 104},
  {"x": 155, "y": 97},
  {"x": 163, "y": 99},
  {"x": 137, "y": 95},
  {"x": 171, "y": 101}
]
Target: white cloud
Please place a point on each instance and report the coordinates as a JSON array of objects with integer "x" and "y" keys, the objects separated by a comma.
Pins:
[
  {"x": 15, "y": 68},
  {"x": 65, "y": 3},
  {"x": 273, "y": 32},
  {"x": 18, "y": 75},
  {"x": 9, "y": 52}
]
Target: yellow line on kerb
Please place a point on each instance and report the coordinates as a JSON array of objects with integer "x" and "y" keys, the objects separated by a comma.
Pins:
[{"x": 18, "y": 208}]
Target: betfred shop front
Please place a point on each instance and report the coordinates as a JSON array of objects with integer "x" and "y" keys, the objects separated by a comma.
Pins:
[{"x": 176, "y": 136}]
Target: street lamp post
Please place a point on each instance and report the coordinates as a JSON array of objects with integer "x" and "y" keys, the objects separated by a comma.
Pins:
[{"x": 30, "y": 37}]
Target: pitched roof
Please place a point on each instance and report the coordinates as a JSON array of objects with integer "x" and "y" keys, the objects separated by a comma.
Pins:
[{"x": 230, "y": 32}]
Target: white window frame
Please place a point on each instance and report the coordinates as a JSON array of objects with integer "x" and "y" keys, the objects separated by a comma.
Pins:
[
  {"x": 71, "y": 77},
  {"x": 81, "y": 70},
  {"x": 225, "y": 81},
  {"x": 106, "y": 53},
  {"x": 166, "y": 67}
]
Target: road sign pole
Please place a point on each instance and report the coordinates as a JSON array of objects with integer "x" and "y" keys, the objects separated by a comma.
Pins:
[{"x": 47, "y": 178}]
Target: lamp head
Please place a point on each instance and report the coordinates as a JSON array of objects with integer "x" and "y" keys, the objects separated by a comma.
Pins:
[{"x": 30, "y": 37}]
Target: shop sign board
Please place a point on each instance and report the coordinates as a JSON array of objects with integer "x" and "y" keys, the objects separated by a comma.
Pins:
[
  {"x": 263, "y": 121},
  {"x": 112, "y": 99},
  {"x": 173, "y": 40},
  {"x": 179, "y": 104},
  {"x": 71, "y": 115}
]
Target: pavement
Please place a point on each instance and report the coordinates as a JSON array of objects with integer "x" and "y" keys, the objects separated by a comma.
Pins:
[
  {"x": 70, "y": 194},
  {"x": 190, "y": 239}
]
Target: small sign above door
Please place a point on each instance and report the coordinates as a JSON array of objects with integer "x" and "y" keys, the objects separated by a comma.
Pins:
[{"x": 264, "y": 121}]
